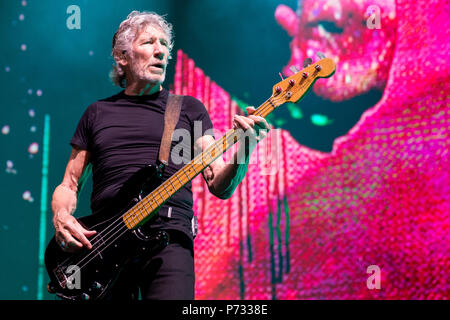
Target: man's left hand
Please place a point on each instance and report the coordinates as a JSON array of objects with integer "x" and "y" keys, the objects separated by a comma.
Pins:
[{"x": 257, "y": 125}]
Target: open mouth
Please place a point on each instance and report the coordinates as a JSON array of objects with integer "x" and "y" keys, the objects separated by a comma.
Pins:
[
  {"x": 158, "y": 65},
  {"x": 328, "y": 26}
]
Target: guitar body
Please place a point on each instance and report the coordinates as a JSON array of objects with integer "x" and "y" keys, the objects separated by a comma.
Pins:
[{"x": 89, "y": 274}]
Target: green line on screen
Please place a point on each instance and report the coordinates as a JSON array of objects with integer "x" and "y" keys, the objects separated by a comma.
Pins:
[{"x": 43, "y": 216}]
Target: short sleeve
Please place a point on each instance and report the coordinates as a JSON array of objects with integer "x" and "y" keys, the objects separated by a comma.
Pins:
[
  {"x": 200, "y": 120},
  {"x": 82, "y": 137}
]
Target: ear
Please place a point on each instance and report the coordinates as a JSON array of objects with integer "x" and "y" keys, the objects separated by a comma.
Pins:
[{"x": 120, "y": 58}]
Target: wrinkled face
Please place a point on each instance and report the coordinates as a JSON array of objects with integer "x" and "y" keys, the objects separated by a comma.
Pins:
[
  {"x": 359, "y": 35},
  {"x": 149, "y": 56}
]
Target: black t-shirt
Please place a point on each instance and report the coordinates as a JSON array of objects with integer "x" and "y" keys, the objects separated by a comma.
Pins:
[{"x": 123, "y": 134}]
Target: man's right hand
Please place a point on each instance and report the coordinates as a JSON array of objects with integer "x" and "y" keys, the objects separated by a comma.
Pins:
[{"x": 70, "y": 234}]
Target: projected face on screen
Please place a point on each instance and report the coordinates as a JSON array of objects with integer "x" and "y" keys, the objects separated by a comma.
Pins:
[{"x": 358, "y": 34}]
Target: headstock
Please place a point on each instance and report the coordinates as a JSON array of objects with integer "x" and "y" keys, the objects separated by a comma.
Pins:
[{"x": 294, "y": 88}]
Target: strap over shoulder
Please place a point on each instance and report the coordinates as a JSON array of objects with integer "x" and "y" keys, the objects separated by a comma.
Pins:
[{"x": 171, "y": 116}]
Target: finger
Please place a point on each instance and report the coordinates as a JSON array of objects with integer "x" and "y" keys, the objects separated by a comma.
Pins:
[
  {"x": 250, "y": 109},
  {"x": 63, "y": 235},
  {"x": 244, "y": 123},
  {"x": 69, "y": 243},
  {"x": 87, "y": 233},
  {"x": 76, "y": 231},
  {"x": 83, "y": 239},
  {"x": 74, "y": 246},
  {"x": 260, "y": 127},
  {"x": 260, "y": 121},
  {"x": 59, "y": 237}
]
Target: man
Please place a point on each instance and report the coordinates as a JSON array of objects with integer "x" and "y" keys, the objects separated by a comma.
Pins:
[{"x": 121, "y": 134}]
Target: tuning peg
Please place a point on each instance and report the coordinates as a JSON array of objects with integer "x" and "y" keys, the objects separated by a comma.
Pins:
[
  {"x": 320, "y": 55},
  {"x": 307, "y": 62},
  {"x": 294, "y": 69}
]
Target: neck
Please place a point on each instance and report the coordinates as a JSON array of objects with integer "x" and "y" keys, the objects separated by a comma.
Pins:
[{"x": 142, "y": 88}]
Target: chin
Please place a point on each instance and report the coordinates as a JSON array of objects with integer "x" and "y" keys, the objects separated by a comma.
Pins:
[
  {"x": 153, "y": 80},
  {"x": 156, "y": 78}
]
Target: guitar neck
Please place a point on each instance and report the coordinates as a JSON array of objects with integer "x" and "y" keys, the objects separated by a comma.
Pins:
[
  {"x": 146, "y": 208},
  {"x": 291, "y": 89}
]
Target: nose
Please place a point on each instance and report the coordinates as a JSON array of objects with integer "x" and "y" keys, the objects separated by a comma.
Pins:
[{"x": 158, "y": 53}]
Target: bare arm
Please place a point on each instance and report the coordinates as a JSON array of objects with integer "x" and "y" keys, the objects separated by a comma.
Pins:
[
  {"x": 223, "y": 178},
  {"x": 64, "y": 203}
]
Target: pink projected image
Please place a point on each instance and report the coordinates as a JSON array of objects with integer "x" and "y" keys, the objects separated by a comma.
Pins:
[
  {"x": 370, "y": 219},
  {"x": 358, "y": 34}
]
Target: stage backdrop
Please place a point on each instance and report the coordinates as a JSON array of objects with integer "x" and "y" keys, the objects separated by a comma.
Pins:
[{"x": 347, "y": 198}]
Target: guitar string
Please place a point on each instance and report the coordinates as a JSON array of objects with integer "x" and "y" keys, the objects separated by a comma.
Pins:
[
  {"x": 121, "y": 227},
  {"x": 96, "y": 240},
  {"x": 97, "y": 251},
  {"x": 111, "y": 228},
  {"x": 264, "y": 107},
  {"x": 159, "y": 192}
]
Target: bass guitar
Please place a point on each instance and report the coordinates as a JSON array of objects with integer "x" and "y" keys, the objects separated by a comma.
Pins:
[{"x": 89, "y": 274}]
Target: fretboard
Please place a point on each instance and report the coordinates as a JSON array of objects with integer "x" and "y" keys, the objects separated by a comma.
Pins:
[{"x": 147, "y": 207}]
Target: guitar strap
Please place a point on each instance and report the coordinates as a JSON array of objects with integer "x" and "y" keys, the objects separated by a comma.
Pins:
[{"x": 171, "y": 116}]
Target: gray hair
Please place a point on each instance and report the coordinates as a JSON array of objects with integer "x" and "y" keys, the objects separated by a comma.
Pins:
[{"x": 126, "y": 34}]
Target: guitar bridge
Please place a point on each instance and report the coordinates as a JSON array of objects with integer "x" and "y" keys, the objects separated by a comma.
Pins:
[
  {"x": 61, "y": 277},
  {"x": 69, "y": 278}
]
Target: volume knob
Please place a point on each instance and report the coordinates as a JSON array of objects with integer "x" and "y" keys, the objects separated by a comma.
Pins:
[
  {"x": 96, "y": 285},
  {"x": 85, "y": 296}
]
